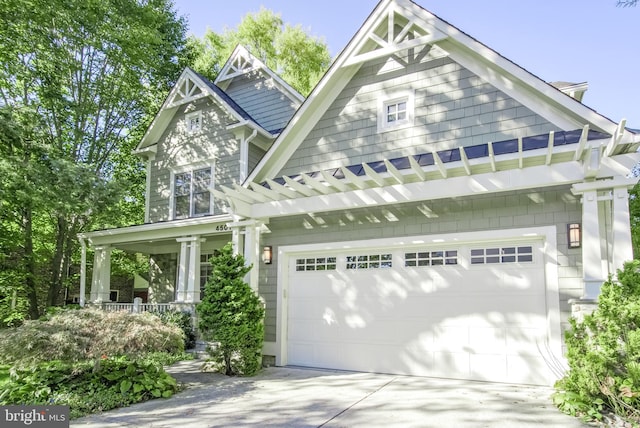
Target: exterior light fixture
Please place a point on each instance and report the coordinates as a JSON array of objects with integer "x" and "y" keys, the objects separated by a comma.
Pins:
[
  {"x": 267, "y": 254},
  {"x": 574, "y": 235}
]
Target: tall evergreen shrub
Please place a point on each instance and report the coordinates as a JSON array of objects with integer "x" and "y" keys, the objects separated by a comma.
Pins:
[{"x": 231, "y": 315}]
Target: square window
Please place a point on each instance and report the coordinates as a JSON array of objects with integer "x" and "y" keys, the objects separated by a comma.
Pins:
[
  {"x": 396, "y": 112},
  {"x": 194, "y": 121}
]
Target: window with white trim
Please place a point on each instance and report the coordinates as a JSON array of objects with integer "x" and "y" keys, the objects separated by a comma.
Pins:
[
  {"x": 396, "y": 112},
  {"x": 369, "y": 261},
  {"x": 206, "y": 270},
  {"x": 523, "y": 254},
  {"x": 194, "y": 121},
  {"x": 191, "y": 194}
]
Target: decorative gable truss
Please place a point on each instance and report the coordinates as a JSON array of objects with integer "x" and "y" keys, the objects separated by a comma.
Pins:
[
  {"x": 242, "y": 62},
  {"x": 187, "y": 90},
  {"x": 394, "y": 31},
  {"x": 563, "y": 157}
]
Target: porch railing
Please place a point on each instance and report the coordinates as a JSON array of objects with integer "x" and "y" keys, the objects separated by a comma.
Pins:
[{"x": 136, "y": 307}]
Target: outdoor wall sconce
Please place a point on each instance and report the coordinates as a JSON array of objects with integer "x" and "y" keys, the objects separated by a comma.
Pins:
[
  {"x": 267, "y": 254},
  {"x": 574, "y": 235}
]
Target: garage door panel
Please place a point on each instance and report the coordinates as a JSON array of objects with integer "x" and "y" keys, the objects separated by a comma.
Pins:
[
  {"x": 451, "y": 364},
  {"x": 488, "y": 367},
  {"x": 467, "y": 321},
  {"x": 488, "y": 340},
  {"x": 524, "y": 340}
]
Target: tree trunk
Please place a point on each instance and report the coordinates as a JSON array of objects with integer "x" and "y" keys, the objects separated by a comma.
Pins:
[
  {"x": 57, "y": 262},
  {"x": 29, "y": 263}
]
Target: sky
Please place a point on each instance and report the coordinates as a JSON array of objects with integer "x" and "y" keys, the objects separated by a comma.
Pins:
[{"x": 568, "y": 40}]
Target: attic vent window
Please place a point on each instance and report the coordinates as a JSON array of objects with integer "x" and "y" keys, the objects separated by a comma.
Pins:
[
  {"x": 194, "y": 121},
  {"x": 395, "y": 112}
]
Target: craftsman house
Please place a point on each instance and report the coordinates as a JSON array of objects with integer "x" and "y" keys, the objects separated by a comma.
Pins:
[{"x": 430, "y": 209}]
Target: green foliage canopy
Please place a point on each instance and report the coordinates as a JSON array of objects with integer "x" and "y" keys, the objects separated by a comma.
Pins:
[
  {"x": 299, "y": 58},
  {"x": 79, "y": 82}
]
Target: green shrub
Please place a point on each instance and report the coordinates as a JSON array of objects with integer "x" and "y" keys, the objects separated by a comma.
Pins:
[
  {"x": 88, "y": 387},
  {"x": 231, "y": 314},
  {"x": 182, "y": 320},
  {"x": 87, "y": 334},
  {"x": 603, "y": 352}
]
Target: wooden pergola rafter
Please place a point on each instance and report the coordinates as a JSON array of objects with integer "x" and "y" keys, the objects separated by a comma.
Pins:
[{"x": 386, "y": 173}]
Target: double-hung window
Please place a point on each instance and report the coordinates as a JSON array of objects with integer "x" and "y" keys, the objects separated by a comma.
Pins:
[{"x": 191, "y": 195}]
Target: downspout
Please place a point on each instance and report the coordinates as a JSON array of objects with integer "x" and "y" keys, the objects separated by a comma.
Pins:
[
  {"x": 244, "y": 155},
  {"x": 83, "y": 270}
]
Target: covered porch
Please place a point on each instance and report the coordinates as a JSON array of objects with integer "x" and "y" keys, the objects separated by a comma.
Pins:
[{"x": 179, "y": 254}]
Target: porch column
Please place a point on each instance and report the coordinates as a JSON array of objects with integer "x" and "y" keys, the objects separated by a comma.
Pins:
[
  {"x": 237, "y": 239},
  {"x": 621, "y": 225},
  {"x": 591, "y": 246},
  {"x": 100, "y": 284},
  {"x": 83, "y": 271},
  {"x": 192, "y": 294},
  {"x": 188, "y": 284},
  {"x": 252, "y": 253},
  {"x": 181, "y": 283}
]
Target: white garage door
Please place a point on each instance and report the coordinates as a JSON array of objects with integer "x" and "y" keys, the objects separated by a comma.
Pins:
[{"x": 466, "y": 312}]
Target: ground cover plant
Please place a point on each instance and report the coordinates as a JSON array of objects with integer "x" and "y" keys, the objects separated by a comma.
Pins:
[
  {"x": 231, "y": 316},
  {"x": 603, "y": 352},
  {"x": 90, "y": 360}
]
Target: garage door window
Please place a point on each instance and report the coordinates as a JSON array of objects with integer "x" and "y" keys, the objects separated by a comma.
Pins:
[
  {"x": 315, "y": 263},
  {"x": 431, "y": 258},
  {"x": 370, "y": 261},
  {"x": 502, "y": 255}
]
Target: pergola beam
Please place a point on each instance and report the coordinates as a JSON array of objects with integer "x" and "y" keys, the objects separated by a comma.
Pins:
[
  {"x": 283, "y": 190},
  {"x": 249, "y": 194},
  {"x": 393, "y": 171},
  {"x": 354, "y": 179},
  {"x": 581, "y": 143},
  {"x": 417, "y": 169},
  {"x": 315, "y": 184},
  {"x": 550, "y": 148},
  {"x": 465, "y": 161},
  {"x": 299, "y": 187},
  {"x": 372, "y": 174},
  {"x": 615, "y": 138},
  {"x": 269, "y": 193},
  {"x": 237, "y": 195},
  {"x": 438, "y": 162},
  {"x": 492, "y": 156},
  {"x": 520, "y": 154},
  {"x": 331, "y": 180}
]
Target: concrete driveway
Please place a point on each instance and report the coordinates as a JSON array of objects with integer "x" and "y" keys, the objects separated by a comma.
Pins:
[{"x": 295, "y": 397}]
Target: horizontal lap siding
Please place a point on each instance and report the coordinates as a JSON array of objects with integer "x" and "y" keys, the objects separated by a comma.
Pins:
[
  {"x": 262, "y": 100},
  {"x": 453, "y": 107},
  {"x": 255, "y": 154},
  {"x": 555, "y": 207},
  {"x": 177, "y": 148}
]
